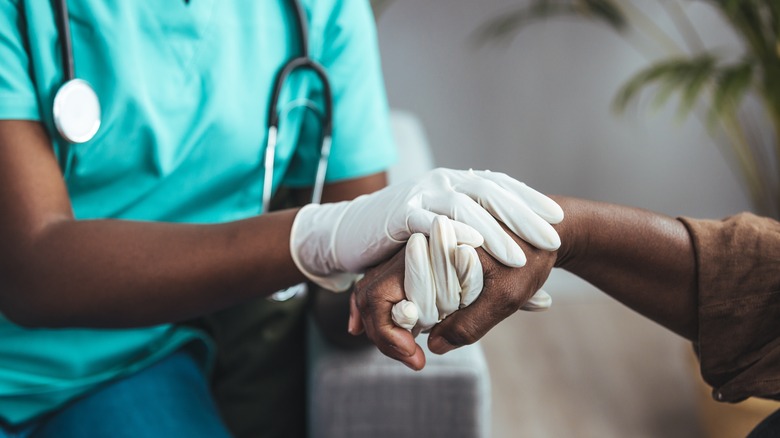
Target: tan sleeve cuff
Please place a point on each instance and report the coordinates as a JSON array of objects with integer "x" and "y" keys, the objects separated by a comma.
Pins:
[{"x": 738, "y": 263}]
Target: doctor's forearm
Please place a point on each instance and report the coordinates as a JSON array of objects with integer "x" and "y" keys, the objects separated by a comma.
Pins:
[
  {"x": 59, "y": 272},
  {"x": 56, "y": 271},
  {"x": 121, "y": 274},
  {"x": 643, "y": 259}
]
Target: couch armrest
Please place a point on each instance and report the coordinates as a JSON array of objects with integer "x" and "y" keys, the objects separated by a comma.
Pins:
[{"x": 362, "y": 393}]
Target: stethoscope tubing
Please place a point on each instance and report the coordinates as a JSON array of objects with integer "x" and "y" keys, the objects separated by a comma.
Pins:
[
  {"x": 300, "y": 63},
  {"x": 63, "y": 105},
  {"x": 85, "y": 129},
  {"x": 66, "y": 44}
]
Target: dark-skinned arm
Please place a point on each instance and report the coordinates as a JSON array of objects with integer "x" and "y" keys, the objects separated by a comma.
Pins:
[
  {"x": 643, "y": 259},
  {"x": 56, "y": 271}
]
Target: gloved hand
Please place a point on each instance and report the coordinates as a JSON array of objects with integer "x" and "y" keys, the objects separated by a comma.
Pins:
[
  {"x": 442, "y": 277},
  {"x": 331, "y": 242}
]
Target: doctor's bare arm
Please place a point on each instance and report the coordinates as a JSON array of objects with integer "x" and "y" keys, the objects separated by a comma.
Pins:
[{"x": 56, "y": 271}]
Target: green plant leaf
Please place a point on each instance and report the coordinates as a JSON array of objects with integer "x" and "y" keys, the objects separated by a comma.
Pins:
[
  {"x": 730, "y": 89},
  {"x": 698, "y": 76},
  {"x": 771, "y": 89},
  {"x": 683, "y": 75},
  {"x": 506, "y": 26},
  {"x": 607, "y": 11}
]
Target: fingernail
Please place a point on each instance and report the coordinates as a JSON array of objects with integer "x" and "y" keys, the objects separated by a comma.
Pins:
[
  {"x": 408, "y": 365},
  {"x": 440, "y": 345},
  {"x": 351, "y": 326}
]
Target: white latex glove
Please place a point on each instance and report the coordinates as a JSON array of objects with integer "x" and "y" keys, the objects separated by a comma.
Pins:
[
  {"x": 442, "y": 277},
  {"x": 331, "y": 242}
]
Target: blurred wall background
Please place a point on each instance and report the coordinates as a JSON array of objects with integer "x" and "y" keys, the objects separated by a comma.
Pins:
[{"x": 539, "y": 108}]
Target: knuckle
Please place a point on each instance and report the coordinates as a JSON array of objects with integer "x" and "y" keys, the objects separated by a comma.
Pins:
[
  {"x": 361, "y": 299},
  {"x": 505, "y": 300},
  {"x": 513, "y": 302},
  {"x": 509, "y": 289}
]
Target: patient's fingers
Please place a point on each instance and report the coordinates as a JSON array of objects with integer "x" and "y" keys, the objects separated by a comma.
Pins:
[
  {"x": 355, "y": 325},
  {"x": 467, "y": 325},
  {"x": 395, "y": 342},
  {"x": 374, "y": 297}
]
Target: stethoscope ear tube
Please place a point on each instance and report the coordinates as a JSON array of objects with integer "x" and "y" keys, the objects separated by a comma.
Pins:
[
  {"x": 300, "y": 63},
  {"x": 322, "y": 169},
  {"x": 268, "y": 177},
  {"x": 303, "y": 62}
]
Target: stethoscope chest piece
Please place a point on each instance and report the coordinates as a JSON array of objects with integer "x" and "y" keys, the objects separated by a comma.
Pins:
[{"x": 76, "y": 111}]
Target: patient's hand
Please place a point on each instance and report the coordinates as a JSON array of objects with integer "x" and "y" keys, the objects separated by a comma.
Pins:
[
  {"x": 370, "y": 310},
  {"x": 505, "y": 291}
]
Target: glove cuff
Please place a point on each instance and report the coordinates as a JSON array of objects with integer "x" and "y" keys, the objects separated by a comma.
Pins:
[{"x": 311, "y": 246}]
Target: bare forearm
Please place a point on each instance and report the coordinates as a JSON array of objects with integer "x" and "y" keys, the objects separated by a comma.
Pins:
[
  {"x": 59, "y": 272},
  {"x": 108, "y": 273},
  {"x": 643, "y": 259}
]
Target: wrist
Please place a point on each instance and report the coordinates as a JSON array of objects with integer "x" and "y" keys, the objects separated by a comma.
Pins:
[{"x": 571, "y": 232}]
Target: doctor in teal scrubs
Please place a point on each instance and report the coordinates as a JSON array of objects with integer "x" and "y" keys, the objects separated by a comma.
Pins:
[
  {"x": 107, "y": 244},
  {"x": 185, "y": 89}
]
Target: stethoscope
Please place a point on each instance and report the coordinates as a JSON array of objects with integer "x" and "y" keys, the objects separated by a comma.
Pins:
[
  {"x": 76, "y": 107},
  {"x": 76, "y": 110}
]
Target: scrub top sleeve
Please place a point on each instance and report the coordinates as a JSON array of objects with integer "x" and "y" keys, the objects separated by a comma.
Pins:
[
  {"x": 17, "y": 93},
  {"x": 362, "y": 137}
]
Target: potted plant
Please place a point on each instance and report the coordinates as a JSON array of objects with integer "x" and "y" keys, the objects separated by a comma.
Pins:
[{"x": 713, "y": 84}]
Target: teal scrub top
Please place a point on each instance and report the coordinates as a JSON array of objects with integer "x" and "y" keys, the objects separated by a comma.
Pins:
[{"x": 184, "y": 89}]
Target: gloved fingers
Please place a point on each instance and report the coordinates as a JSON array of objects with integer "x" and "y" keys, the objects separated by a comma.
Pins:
[
  {"x": 405, "y": 314},
  {"x": 511, "y": 209},
  {"x": 421, "y": 221},
  {"x": 469, "y": 270},
  {"x": 419, "y": 284},
  {"x": 498, "y": 243},
  {"x": 541, "y": 301},
  {"x": 442, "y": 246},
  {"x": 539, "y": 203}
]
